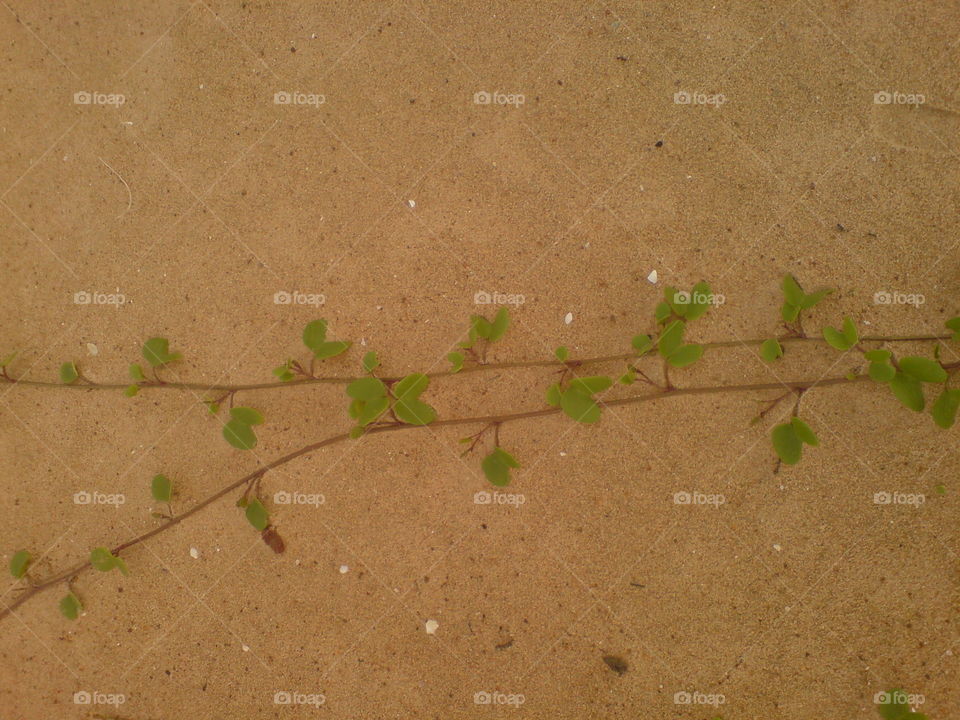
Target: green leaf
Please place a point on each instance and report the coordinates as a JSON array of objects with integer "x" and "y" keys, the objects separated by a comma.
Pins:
[
  {"x": 501, "y": 321},
  {"x": 944, "y": 410},
  {"x": 284, "y": 373},
  {"x": 804, "y": 432},
  {"x": 136, "y": 372},
  {"x": 496, "y": 466},
  {"x": 792, "y": 292},
  {"x": 156, "y": 351},
  {"x": 954, "y": 324},
  {"x": 628, "y": 378},
  {"x": 662, "y": 312},
  {"x": 239, "y": 435},
  {"x": 881, "y": 372},
  {"x": 19, "y": 563},
  {"x": 814, "y": 298},
  {"x": 315, "y": 333},
  {"x": 257, "y": 515},
  {"x": 161, "y": 488},
  {"x": 591, "y": 385},
  {"x": 561, "y": 353},
  {"x": 770, "y": 350},
  {"x": 479, "y": 327},
  {"x": 841, "y": 340},
  {"x": 103, "y": 560},
  {"x": 371, "y": 410},
  {"x": 699, "y": 300},
  {"x": 850, "y": 333},
  {"x": 642, "y": 344},
  {"x": 908, "y": 390},
  {"x": 212, "y": 407},
  {"x": 671, "y": 338},
  {"x": 579, "y": 406},
  {"x": 330, "y": 349},
  {"x": 356, "y": 432},
  {"x": 456, "y": 362},
  {"x": 68, "y": 373},
  {"x": 686, "y": 355},
  {"x": 131, "y": 390},
  {"x": 370, "y": 361},
  {"x": 8, "y": 359},
  {"x": 789, "y": 312},
  {"x": 553, "y": 395},
  {"x": 923, "y": 369},
  {"x": 246, "y": 415},
  {"x": 414, "y": 412},
  {"x": 786, "y": 443},
  {"x": 411, "y": 386},
  {"x": 677, "y": 302},
  {"x": 70, "y": 606},
  {"x": 367, "y": 388},
  {"x": 878, "y": 355}
]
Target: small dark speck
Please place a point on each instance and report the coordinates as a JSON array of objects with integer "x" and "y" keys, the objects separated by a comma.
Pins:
[
  {"x": 841, "y": 228},
  {"x": 621, "y": 58},
  {"x": 616, "y": 663},
  {"x": 293, "y": 49},
  {"x": 658, "y": 143}
]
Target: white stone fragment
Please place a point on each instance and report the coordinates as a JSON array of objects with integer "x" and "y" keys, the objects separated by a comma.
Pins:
[{"x": 431, "y": 626}]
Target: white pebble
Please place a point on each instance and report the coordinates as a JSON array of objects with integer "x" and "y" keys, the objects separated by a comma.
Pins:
[
  {"x": 431, "y": 626},
  {"x": 652, "y": 277},
  {"x": 411, "y": 203},
  {"x": 568, "y": 318},
  {"x": 562, "y": 454},
  {"x": 194, "y": 553},
  {"x": 93, "y": 349},
  {"x": 777, "y": 548},
  {"x": 246, "y": 648},
  {"x": 344, "y": 569}
]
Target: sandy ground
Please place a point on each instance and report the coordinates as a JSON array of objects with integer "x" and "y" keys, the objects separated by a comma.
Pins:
[{"x": 390, "y": 187}]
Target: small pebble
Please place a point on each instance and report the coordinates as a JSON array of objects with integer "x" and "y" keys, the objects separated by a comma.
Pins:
[
  {"x": 652, "y": 277},
  {"x": 344, "y": 569},
  {"x": 411, "y": 203},
  {"x": 93, "y": 349},
  {"x": 431, "y": 626},
  {"x": 777, "y": 548},
  {"x": 194, "y": 553},
  {"x": 568, "y": 318},
  {"x": 246, "y": 648}
]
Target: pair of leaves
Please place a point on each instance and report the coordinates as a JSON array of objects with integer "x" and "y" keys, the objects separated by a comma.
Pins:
[
  {"x": 687, "y": 305},
  {"x": 284, "y": 373},
  {"x": 489, "y": 330},
  {"x": 156, "y": 351},
  {"x": 843, "y": 339},
  {"x": 881, "y": 368},
  {"x": 577, "y": 400},
  {"x": 238, "y": 431},
  {"x": 795, "y": 299},
  {"x": 103, "y": 560},
  {"x": 673, "y": 349},
  {"x": 315, "y": 338},
  {"x": 771, "y": 350},
  {"x": 496, "y": 466},
  {"x": 789, "y": 439},
  {"x": 19, "y": 563},
  {"x": 161, "y": 488},
  {"x": 907, "y": 387}
]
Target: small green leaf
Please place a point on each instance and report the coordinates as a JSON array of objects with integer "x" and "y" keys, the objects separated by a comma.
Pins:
[
  {"x": 315, "y": 333},
  {"x": 479, "y": 327},
  {"x": 789, "y": 312},
  {"x": 246, "y": 415},
  {"x": 8, "y": 359},
  {"x": 257, "y": 515},
  {"x": 923, "y": 369},
  {"x": 239, "y": 435},
  {"x": 553, "y": 395},
  {"x": 370, "y": 410},
  {"x": 414, "y": 412},
  {"x": 156, "y": 351},
  {"x": 70, "y": 606},
  {"x": 850, "y": 333},
  {"x": 944, "y": 410},
  {"x": 161, "y": 489},
  {"x": 786, "y": 443},
  {"x": 814, "y": 298},
  {"x": 136, "y": 372},
  {"x": 501, "y": 321},
  {"x": 686, "y": 355},
  {"x": 591, "y": 385},
  {"x": 496, "y": 467},
  {"x": 561, "y": 353},
  {"x": 456, "y": 362},
  {"x": 804, "y": 432},
  {"x": 700, "y": 298},
  {"x": 908, "y": 390},
  {"x": 671, "y": 338},
  {"x": 370, "y": 361},
  {"x": 662, "y": 312},
  {"x": 941, "y": 489},
  {"x": 792, "y": 292},
  {"x": 642, "y": 344},
  {"x": 366, "y": 389},
  {"x": 412, "y": 386},
  {"x": 131, "y": 390},
  {"x": 103, "y": 560},
  {"x": 68, "y": 373},
  {"x": 770, "y": 350},
  {"x": 19, "y": 563},
  {"x": 881, "y": 372},
  {"x": 284, "y": 372},
  {"x": 213, "y": 407},
  {"x": 841, "y": 340},
  {"x": 954, "y": 324},
  {"x": 878, "y": 355},
  {"x": 579, "y": 406},
  {"x": 628, "y": 378},
  {"x": 330, "y": 349}
]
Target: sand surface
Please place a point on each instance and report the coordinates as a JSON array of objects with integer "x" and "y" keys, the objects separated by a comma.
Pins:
[{"x": 431, "y": 151}]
